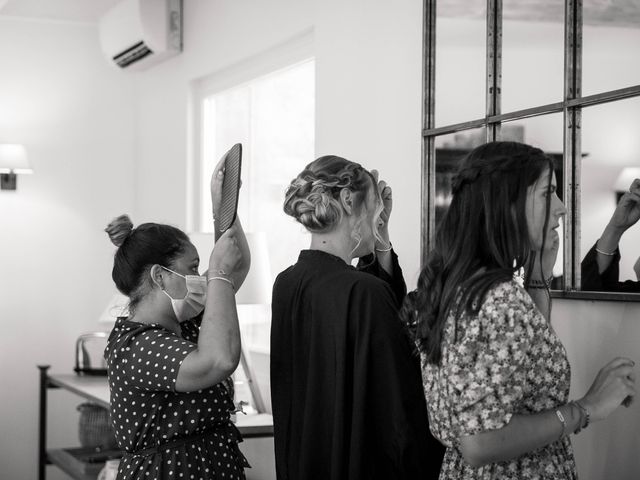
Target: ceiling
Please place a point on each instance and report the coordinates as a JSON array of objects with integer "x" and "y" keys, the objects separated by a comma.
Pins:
[
  {"x": 596, "y": 12},
  {"x": 615, "y": 13},
  {"x": 82, "y": 11}
]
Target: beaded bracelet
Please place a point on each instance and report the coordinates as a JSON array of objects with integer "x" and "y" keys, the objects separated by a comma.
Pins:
[{"x": 584, "y": 413}]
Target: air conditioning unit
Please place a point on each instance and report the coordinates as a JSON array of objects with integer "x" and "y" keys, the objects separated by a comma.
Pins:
[{"x": 136, "y": 34}]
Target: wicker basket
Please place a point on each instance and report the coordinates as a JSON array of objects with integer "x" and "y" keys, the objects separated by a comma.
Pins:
[{"x": 94, "y": 427}]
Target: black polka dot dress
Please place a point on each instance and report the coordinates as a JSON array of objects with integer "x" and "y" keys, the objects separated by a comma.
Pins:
[{"x": 167, "y": 434}]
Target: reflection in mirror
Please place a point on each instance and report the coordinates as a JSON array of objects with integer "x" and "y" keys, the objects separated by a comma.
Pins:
[
  {"x": 610, "y": 212},
  {"x": 610, "y": 35},
  {"x": 532, "y": 53},
  {"x": 450, "y": 150},
  {"x": 460, "y": 61},
  {"x": 544, "y": 132}
]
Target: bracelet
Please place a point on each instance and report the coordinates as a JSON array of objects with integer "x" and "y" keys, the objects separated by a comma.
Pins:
[
  {"x": 562, "y": 421},
  {"x": 230, "y": 282},
  {"x": 583, "y": 413},
  {"x": 580, "y": 420},
  {"x": 384, "y": 249},
  {"x": 608, "y": 254}
]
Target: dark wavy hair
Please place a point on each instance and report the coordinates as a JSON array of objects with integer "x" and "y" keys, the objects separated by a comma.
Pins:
[
  {"x": 138, "y": 250},
  {"x": 482, "y": 240}
]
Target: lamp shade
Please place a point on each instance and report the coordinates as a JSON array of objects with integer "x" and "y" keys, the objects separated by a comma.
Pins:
[
  {"x": 256, "y": 289},
  {"x": 13, "y": 159},
  {"x": 626, "y": 178}
]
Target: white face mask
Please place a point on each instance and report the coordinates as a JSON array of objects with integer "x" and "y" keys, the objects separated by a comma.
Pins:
[{"x": 193, "y": 302}]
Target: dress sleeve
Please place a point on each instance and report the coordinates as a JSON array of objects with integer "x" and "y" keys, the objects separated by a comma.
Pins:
[
  {"x": 607, "y": 281},
  {"x": 152, "y": 357},
  {"x": 370, "y": 264},
  {"x": 490, "y": 375},
  {"x": 592, "y": 279}
]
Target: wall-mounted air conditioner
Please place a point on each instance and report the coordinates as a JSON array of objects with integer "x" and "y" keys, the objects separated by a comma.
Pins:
[{"x": 136, "y": 34}]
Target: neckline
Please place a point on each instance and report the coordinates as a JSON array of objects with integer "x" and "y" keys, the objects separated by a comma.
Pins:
[{"x": 320, "y": 255}]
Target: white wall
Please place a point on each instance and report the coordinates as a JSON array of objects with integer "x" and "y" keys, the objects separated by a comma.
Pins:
[
  {"x": 74, "y": 114},
  {"x": 595, "y": 333}
]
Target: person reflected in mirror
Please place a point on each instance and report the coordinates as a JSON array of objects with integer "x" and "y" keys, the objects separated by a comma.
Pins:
[
  {"x": 601, "y": 266},
  {"x": 345, "y": 386},
  {"x": 169, "y": 362},
  {"x": 496, "y": 376}
]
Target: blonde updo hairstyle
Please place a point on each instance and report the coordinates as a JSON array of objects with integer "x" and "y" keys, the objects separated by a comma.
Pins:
[
  {"x": 138, "y": 250},
  {"x": 313, "y": 197}
]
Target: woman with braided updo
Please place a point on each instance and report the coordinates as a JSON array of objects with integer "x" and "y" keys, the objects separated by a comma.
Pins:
[
  {"x": 345, "y": 387},
  {"x": 170, "y": 360},
  {"x": 496, "y": 376}
]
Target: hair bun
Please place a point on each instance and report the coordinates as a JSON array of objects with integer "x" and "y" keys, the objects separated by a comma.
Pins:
[{"x": 119, "y": 229}]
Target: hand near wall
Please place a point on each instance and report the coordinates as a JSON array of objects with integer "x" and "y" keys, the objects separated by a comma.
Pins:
[{"x": 613, "y": 386}]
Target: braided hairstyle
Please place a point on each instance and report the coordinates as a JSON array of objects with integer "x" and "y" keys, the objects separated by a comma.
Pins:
[
  {"x": 138, "y": 250},
  {"x": 313, "y": 197},
  {"x": 482, "y": 240}
]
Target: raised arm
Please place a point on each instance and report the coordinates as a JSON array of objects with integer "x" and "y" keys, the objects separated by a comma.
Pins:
[{"x": 626, "y": 214}]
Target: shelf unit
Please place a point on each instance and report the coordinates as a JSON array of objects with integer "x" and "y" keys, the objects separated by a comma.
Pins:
[{"x": 96, "y": 389}]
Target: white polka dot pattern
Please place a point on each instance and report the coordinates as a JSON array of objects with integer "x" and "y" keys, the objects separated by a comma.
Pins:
[{"x": 143, "y": 363}]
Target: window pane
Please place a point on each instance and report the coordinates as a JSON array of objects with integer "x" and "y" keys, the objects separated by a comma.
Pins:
[
  {"x": 450, "y": 150},
  {"x": 611, "y": 149},
  {"x": 274, "y": 119},
  {"x": 532, "y": 54},
  {"x": 611, "y": 36},
  {"x": 546, "y": 133},
  {"x": 460, "y": 61}
]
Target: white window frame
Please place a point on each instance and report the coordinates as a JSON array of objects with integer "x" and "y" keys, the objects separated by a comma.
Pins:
[{"x": 295, "y": 50}]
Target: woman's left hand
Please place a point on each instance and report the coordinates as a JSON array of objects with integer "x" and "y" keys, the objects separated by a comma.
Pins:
[{"x": 387, "y": 197}]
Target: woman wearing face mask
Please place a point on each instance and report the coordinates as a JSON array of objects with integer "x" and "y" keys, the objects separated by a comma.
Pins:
[
  {"x": 345, "y": 388},
  {"x": 169, "y": 361},
  {"x": 496, "y": 377}
]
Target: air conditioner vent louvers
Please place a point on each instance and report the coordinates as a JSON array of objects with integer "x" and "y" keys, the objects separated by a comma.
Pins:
[
  {"x": 137, "y": 34},
  {"x": 133, "y": 54}
]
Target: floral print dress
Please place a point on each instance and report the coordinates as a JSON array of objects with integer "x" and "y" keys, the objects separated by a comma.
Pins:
[{"x": 506, "y": 360}]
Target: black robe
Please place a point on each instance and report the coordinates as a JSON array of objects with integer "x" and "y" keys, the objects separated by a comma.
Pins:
[
  {"x": 607, "y": 281},
  {"x": 346, "y": 388}
]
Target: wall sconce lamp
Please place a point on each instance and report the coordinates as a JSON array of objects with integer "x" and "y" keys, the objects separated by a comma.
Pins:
[
  {"x": 624, "y": 181},
  {"x": 13, "y": 160}
]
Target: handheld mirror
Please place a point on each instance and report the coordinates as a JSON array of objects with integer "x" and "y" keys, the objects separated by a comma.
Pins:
[{"x": 230, "y": 188}]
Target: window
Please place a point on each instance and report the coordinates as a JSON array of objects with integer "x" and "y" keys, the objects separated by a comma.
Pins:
[
  {"x": 273, "y": 116},
  {"x": 268, "y": 105},
  {"x": 556, "y": 74}
]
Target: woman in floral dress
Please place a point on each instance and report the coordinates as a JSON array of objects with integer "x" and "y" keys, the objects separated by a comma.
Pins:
[{"x": 495, "y": 375}]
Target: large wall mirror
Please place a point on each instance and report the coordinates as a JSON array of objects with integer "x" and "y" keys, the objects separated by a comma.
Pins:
[{"x": 563, "y": 75}]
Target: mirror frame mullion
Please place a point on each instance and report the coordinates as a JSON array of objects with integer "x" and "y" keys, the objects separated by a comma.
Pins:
[{"x": 428, "y": 169}]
